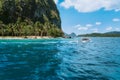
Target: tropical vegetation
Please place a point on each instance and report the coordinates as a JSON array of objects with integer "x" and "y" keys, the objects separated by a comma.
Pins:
[
  {"x": 29, "y": 18},
  {"x": 107, "y": 34}
]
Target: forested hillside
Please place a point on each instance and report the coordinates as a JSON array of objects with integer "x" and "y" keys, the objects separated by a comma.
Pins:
[
  {"x": 107, "y": 34},
  {"x": 29, "y": 18}
]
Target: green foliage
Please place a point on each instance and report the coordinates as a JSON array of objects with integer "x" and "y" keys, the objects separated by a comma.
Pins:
[
  {"x": 29, "y": 18},
  {"x": 36, "y": 10},
  {"x": 28, "y": 28},
  {"x": 55, "y": 32},
  {"x": 101, "y": 35}
]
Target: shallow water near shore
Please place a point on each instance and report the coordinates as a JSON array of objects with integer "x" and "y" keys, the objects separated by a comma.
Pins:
[{"x": 60, "y": 59}]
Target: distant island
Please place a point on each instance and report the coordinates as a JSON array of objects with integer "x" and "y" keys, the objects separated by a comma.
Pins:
[
  {"x": 107, "y": 34},
  {"x": 29, "y": 18},
  {"x": 72, "y": 35}
]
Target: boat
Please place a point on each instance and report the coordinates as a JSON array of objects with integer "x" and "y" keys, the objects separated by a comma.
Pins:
[{"x": 85, "y": 40}]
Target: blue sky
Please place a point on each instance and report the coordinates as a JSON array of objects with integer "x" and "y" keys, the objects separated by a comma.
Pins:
[{"x": 89, "y": 16}]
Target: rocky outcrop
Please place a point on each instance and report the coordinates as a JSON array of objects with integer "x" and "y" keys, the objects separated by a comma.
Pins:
[{"x": 34, "y": 10}]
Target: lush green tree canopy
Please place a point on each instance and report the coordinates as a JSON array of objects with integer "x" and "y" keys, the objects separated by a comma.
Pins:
[{"x": 29, "y": 17}]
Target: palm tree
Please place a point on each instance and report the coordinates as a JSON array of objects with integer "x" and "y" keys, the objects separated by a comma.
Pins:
[
  {"x": 40, "y": 30},
  {"x": 1, "y": 28}
]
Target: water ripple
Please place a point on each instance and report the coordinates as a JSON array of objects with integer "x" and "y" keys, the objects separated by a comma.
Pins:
[{"x": 60, "y": 59}]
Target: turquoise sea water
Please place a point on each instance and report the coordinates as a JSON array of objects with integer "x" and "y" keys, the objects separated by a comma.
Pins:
[{"x": 60, "y": 59}]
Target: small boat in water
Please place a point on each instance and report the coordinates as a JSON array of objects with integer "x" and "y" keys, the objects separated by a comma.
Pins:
[{"x": 85, "y": 40}]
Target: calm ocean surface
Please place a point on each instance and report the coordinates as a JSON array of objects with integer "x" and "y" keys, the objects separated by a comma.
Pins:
[{"x": 60, "y": 59}]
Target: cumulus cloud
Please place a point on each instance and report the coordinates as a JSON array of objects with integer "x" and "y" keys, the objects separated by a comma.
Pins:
[
  {"x": 117, "y": 29},
  {"x": 56, "y": 1},
  {"x": 98, "y": 23},
  {"x": 109, "y": 28},
  {"x": 116, "y": 20},
  {"x": 89, "y": 25},
  {"x": 83, "y": 28},
  {"x": 77, "y": 26},
  {"x": 91, "y": 5}
]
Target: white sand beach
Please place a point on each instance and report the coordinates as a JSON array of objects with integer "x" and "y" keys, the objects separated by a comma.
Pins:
[{"x": 25, "y": 37}]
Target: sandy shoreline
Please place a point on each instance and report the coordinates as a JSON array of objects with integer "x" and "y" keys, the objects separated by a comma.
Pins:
[{"x": 25, "y": 37}]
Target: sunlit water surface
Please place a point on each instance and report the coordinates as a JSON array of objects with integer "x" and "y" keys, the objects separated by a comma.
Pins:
[{"x": 60, "y": 59}]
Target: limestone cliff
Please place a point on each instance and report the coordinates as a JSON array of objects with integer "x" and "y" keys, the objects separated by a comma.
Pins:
[{"x": 34, "y": 10}]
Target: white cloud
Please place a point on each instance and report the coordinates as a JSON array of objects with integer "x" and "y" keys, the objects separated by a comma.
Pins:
[
  {"x": 109, "y": 28},
  {"x": 83, "y": 28},
  {"x": 116, "y": 20},
  {"x": 92, "y": 5},
  {"x": 117, "y": 29},
  {"x": 67, "y": 4},
  {"x": 77, "y": 26},
  {"x": 56, "y": 1},
  {"x": 117, "y": 10},
  {"x": 98, "y": 23},
  {"x": 89, "y": 25}
]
